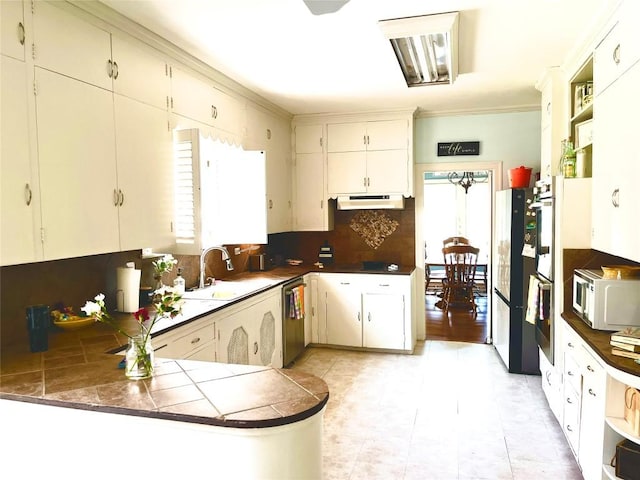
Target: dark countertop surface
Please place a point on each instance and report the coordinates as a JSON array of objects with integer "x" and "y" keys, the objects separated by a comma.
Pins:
[
  {"x": 80, "y": 371},
  {"x": 598, "y": 340}
]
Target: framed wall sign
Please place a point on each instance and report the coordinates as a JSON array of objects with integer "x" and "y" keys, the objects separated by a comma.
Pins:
[{"x": 453, "y": 149}]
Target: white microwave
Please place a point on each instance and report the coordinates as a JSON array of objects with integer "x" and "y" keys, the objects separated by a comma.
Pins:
[{"x": 606, "y": 304}]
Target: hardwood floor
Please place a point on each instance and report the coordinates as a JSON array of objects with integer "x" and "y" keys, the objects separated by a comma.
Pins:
[{"x": 458, "y": 325}]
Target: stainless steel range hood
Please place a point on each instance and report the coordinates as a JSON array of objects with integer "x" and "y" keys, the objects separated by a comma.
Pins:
[{"x": 361, "y": 202}]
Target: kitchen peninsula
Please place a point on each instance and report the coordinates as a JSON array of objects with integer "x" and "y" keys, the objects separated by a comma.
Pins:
[{"x": 248, "y": 421}]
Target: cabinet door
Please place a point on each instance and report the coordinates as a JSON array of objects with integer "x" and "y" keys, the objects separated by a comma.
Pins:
[
  {"x": 76, "y": 150},
  {"x": 388, "y": 135},
  {"x": 66, "y": 44},
  {"x": 265, "y": 332},
  {"x": 343, "y": 310},
  {"x": 629, "y": 34},
  {"x": 145, "y": 175},
  {"x": 142, "y": 74},
  {"x": 278, "y": 177},
  {"x": 383, "y": 320},
  {"x": 232, "y": 340},
  {"x": 606, "y": 61},
  {"x": 18, "y": 191},
  {"x": 12, "y": 33},
  {"x": 592, "y": 419},
  {"x": 310, "y": 204},
  {"x": 191, "y": 96},
  {"x": 309, "y": 138},
  {"x": 388, "y": 171},
  {"x": 347, "y": 137},
  {"x": 347, "y": 172},
  {"x": 615, "y": 165}
]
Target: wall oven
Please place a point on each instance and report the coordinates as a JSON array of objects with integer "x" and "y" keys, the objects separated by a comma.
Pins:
[{"x": 541, "y": 301}]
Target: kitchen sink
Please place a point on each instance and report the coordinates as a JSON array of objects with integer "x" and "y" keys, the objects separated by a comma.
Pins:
[{"x": 227, "y": 290}]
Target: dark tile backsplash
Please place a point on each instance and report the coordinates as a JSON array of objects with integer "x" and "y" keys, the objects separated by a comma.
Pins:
[{"x": 74, "y": 281}]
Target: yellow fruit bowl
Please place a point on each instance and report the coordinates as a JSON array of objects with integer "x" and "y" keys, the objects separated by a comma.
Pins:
[{"x": 73, "y": 322}]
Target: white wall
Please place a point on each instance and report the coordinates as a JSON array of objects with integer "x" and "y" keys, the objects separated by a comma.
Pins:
[{"x": 511, "y": 138}]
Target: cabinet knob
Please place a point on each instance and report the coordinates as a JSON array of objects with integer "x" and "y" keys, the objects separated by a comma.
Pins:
[
  {"x": 116, "y": 198},
  {"x": 569, "y": 428},
  {"x": 195, "y": 340},
  {"x": 28, "y": 194},
  {"x": 590, "y": 368},
  {"x": 615, "y": 198},
  {"x": 570, "y": 373},
  {"x": 569, "y": 400},
  {"x": 255, "y": 348},
  {"x": 616, "y": 54},
  {"x": 569, "y": 344},
  {"x": 214, "y": 111},
  {"x": 21, "y": 35},
  {"x": 120, "y": 198},
  {"x": 592, "y": 393},
  {"x": 115, "y": 70}
]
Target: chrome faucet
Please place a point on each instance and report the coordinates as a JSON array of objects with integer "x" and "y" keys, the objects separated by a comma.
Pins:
[{"x": 225, "y": 256}]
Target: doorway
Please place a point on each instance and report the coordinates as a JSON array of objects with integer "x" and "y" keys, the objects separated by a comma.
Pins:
[{"x": 443, "y": 210}]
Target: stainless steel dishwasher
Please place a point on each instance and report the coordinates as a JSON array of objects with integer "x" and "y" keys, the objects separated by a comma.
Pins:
[{"x": 293, "y": 315}]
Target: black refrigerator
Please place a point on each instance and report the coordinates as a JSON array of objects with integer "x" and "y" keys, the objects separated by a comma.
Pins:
[{"x": 513, "y": 262}]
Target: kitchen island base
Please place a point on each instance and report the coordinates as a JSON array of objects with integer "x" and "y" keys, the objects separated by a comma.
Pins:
[{"x": 40, "y": 440}]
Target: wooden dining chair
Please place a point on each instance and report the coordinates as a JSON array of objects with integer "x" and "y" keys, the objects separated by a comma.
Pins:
[
  {"x": 460, "y": 267},
  {"x": 457, "y": 240}
]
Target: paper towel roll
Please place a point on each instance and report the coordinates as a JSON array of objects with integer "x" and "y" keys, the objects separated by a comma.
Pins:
[{"x": 128, "y": 290}]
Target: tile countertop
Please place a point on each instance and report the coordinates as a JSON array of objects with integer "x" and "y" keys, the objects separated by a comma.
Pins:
[
  {"x": 598, "y": 340},
  {"x": 80, "y": 371}
]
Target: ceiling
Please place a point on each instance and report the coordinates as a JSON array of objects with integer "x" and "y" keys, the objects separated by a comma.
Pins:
[{"x": 341, "y": 62}]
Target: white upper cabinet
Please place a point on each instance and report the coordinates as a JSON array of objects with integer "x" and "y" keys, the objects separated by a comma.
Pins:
[
  {"x": 144, "y": 152},
  {"x": 620, "y": 48},
  {"x": 12, "y": 29},
  {"x": 196, "y": 97},
  {"x": 311, "y": 208},
  {"x": 66, "y": 44},
  {"x": 142, "y": 73},
  {"x": 552, "y": 119},
  {"x": 76, "y": 153},
  {"x": 370, "y": 157},
  {"x": 360, "y": 136},
  {"x": 616, "y": 163},
  {"x": 18, "y": 191},
  {"x": 269, "y": 132}
]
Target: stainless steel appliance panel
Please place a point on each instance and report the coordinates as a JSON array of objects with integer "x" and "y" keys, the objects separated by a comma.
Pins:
[{"x": 292, "y": 322}]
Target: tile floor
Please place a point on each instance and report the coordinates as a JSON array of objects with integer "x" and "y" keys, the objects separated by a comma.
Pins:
[{"x": 450, "y": 411}]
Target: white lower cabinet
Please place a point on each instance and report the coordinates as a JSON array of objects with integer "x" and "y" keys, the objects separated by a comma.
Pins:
[
  {"x": 587, "y": 396},
  {"x": 591, "y": 416},
  {"x": 362, "y": 310},
  {"x": 251, "y": 332},
  {"x": 195, "y": 341},
  {"x": 551, "y": 385}
]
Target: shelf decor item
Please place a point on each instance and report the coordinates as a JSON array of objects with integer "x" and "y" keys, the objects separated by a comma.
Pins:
[
  {"x": 164, "y": 264},
  {"x": 139, "y": 355},
  {"x": 632, "y": 409}
]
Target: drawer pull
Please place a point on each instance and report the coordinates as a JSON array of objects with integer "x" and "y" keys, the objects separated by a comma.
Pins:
[
  {"x": 590, "y": 369},
  {"x": 569, "y": 400},
  {"x": 195, "y": 340},
  {"x": 255, "y": 348},
  {"x": 569, "y": 344},
  {"x": 569, "y": 428},
  {"x": 616, "y": 54},
  {"x": 592, "y": 393},
  {"x": 570, "y": 373}
]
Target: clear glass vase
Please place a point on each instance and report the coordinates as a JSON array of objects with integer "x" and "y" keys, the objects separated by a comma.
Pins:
[{"x": 139, "y": 357}]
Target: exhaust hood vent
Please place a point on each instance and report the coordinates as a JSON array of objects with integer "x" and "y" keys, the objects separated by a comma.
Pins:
[{"x": 361, "y": 202}]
